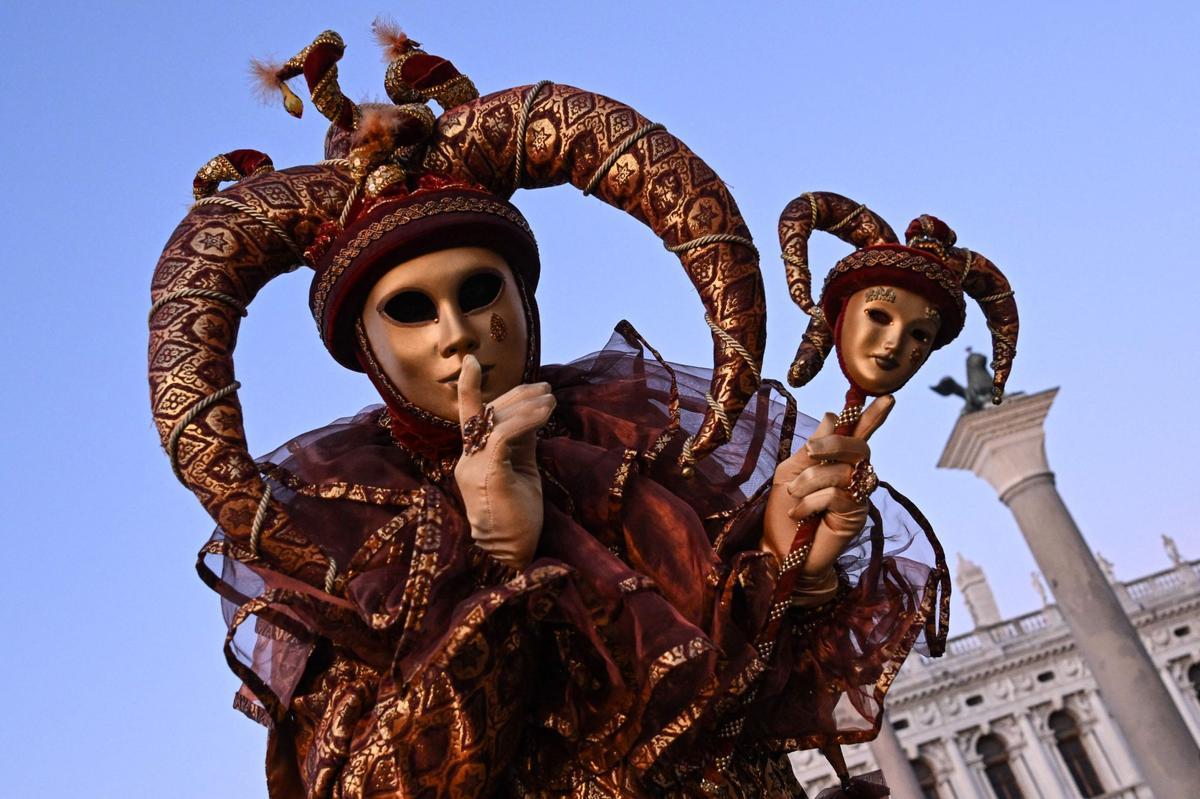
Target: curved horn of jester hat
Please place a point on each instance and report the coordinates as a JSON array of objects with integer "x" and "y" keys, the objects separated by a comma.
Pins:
[
  {"x": 929, "y": 265},
  {"x": 387, "y": 164}
]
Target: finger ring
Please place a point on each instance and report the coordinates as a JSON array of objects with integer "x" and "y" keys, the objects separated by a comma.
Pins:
[
  {"x": 863, "y": 481},
  {"x": 475, "y": 431}
]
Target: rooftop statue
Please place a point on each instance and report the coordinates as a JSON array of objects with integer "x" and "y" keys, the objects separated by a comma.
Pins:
[{"x": 978, "y": 390}]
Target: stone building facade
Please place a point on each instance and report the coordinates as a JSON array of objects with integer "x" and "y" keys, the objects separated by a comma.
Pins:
[{"x": 1012, "y": 712}]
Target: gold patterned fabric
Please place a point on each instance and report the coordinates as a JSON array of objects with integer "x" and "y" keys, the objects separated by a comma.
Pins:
[
  {"x": 611, "y": 665},
  {"x": 221, "y": 250}
]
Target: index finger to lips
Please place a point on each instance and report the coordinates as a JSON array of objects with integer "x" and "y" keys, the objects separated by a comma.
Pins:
[{"x": 470, "y": 399}]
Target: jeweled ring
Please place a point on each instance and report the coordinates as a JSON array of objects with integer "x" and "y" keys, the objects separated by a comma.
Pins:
[
  {"x": 863, "y": 481},
  {"x": 475, "y": 431}
]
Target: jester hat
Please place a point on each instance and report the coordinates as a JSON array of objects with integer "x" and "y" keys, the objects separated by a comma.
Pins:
[
  {"x": 929, "y": 264},
  {"x": 382, "y": 162}
]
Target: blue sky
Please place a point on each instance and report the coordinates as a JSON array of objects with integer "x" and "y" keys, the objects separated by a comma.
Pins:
[{"x": 1060, "y": 140}]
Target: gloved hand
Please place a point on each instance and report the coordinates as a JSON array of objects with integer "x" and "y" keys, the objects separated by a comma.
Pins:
[
  {"x": 499, "y": 481},
  {"x": 816, "y": 479}
]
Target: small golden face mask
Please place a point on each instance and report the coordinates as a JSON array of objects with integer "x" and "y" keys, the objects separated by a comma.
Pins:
[{"x": 887, "y": 333}]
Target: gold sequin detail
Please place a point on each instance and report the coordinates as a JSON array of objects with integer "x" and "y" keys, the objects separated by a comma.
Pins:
[{"x": 497, "y": 329}]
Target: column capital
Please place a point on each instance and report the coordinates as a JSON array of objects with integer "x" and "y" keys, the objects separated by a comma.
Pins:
[{"x": 1004, "y": 445}]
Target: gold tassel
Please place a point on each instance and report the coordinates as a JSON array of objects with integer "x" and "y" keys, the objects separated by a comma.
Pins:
[{"x": 291, "y": 102}]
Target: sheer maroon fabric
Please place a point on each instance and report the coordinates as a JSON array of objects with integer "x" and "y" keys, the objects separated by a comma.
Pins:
[{"x": 611, "y": 661}]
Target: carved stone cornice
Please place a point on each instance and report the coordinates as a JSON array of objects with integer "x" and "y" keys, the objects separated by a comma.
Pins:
[{"x": 1004, "y": 445}]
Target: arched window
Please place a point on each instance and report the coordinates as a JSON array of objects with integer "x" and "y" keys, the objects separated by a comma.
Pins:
[
  {"x": 995, "y": 766},
  {"x": 1066, "y": 735},
  {"x": 1194, "y": 678},
  {"x": 925, "y": 778}
]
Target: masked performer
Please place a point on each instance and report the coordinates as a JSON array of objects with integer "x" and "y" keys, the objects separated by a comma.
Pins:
[{"x": 511, "y": 579}]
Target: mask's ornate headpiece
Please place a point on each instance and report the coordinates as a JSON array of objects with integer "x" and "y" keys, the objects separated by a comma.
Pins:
[
  {"x": 930, "y": 265},
  {"x": 379, "y": 143},
  {"x": 388, "y": 172}
]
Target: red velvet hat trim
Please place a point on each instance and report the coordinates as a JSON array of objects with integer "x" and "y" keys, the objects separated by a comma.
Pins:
[
  {"x": 398, "y": 229},
  {"x": 847, "y": 277}
]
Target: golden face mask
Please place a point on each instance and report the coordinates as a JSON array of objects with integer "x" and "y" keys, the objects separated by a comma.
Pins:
[
  {"x": 886, "y": 335},
  {"x": 425, "y": 315}
]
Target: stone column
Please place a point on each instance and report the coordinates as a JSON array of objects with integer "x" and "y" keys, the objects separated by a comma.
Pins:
[
  {"x": 972, "y": 765},
  {"x": 1046, "y": 774},
  {"x": 935, "y": 754},
  {"x": 1006, "y": 447},
  {"x": 1095, "y": 720},
  {"x": 889, "y": 755},
  {"x": 1185, "y": 704}
]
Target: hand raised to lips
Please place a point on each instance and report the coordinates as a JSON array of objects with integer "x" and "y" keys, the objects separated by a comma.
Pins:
[
  {"x": 452, "y": 378},
  {"x": 499, "y": 479}
]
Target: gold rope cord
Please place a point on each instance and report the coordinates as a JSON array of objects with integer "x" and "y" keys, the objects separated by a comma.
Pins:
[
  {"x": 207, "y": 294},
  {"x": 189, "y": 417},
  {"x": 714, "y": 238},
  {"x": 618, "y": 151},
  {"x": 258, "y": 216},
  {"x": 734, "y": 345},
  {"x": 522, "y": 128},
  {"x": 350, "y": 200},
  {"x": 719, "y": 412},
  {"x": 260, "y": 516},
  {"x": 330, "y": 576},
  {"x": 812, "y": 212},
  {"x": 846, "y": 220},
  {"x": 995, "y": 297}
]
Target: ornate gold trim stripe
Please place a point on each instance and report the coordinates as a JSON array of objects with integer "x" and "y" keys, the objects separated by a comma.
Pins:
[{"x": 899, "y": 260}]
